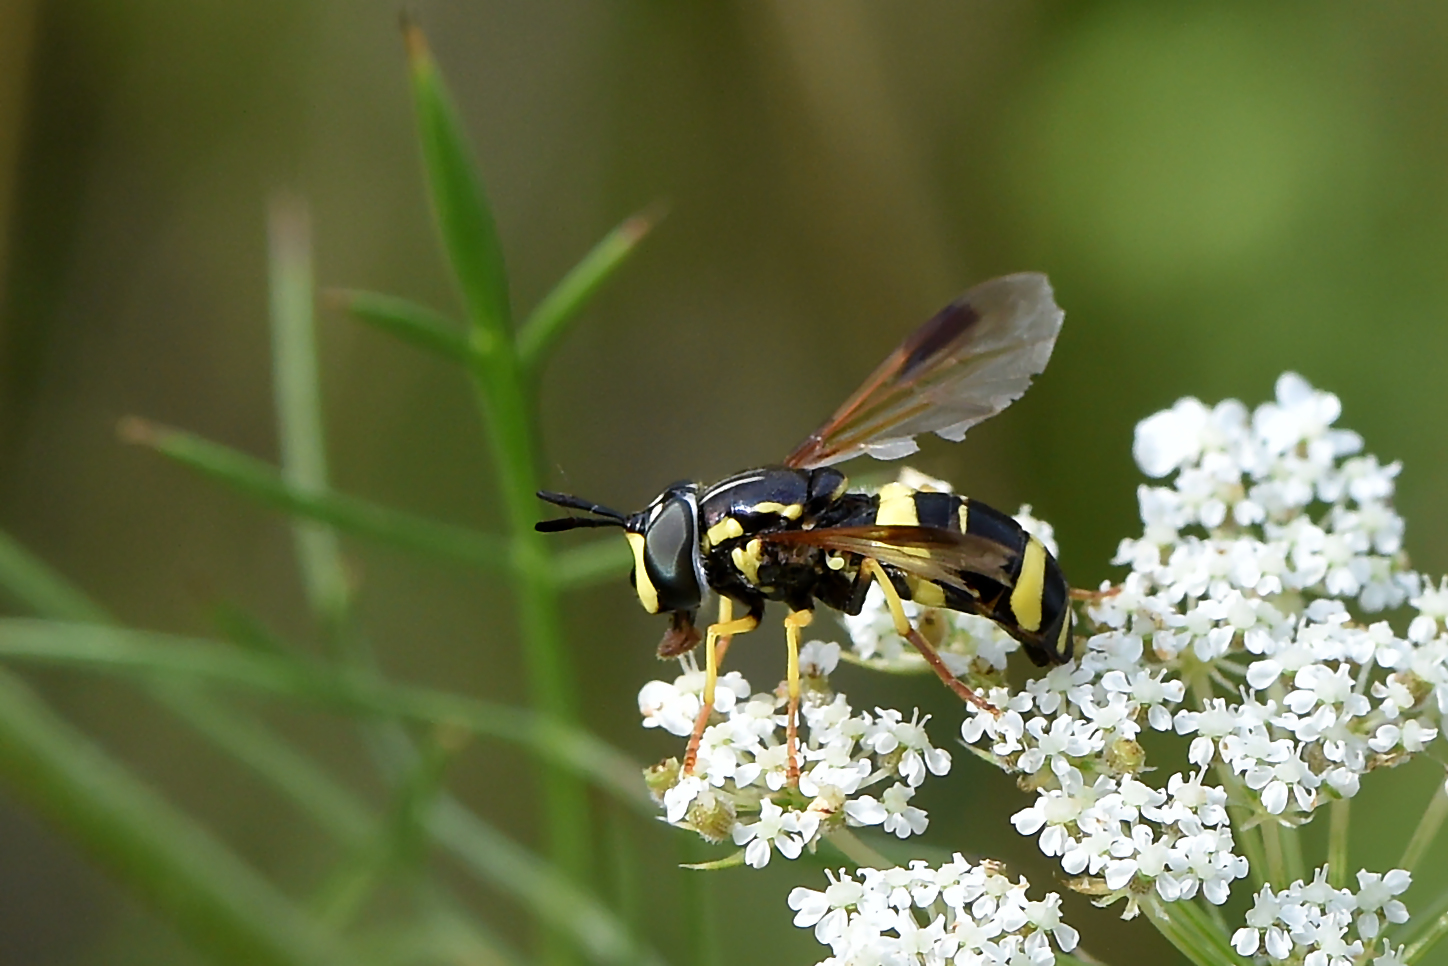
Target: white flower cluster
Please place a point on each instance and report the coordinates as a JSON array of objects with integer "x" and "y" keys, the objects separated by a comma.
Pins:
[
  {"x": 1236, "y": 626},
  {"x": 742, "y": 766},
  {"x": 969, "y": 915},
  {"x": 1318, "y": 925}
]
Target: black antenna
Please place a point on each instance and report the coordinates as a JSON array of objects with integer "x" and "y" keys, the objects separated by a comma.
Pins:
[
  {"x": 573, "y": 523},
  {"x": 610, "y": 518},
  {"x": 578, "y": 503}
]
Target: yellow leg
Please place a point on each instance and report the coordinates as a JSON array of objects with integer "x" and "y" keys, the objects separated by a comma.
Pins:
[
  {"x": 872, "y": 569},
  {"x": 792, "y": 625},
  {"x": 716, "y": 642}
]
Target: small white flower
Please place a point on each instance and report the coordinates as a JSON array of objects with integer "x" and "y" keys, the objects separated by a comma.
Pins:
[{"x": 776, "y": 828}]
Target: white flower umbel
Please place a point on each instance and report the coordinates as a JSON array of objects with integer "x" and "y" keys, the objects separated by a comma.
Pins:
[
  {"x": 970, "y": 915},
  {"x": 1247, "y": 622},
  {"x": 739, "y": 789},
  {"x": 1244, "y": 623},
  {"x": 1316, "y": 923}
]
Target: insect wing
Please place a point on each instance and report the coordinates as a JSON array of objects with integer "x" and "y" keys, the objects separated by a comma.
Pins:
[
  {"x": 973, "y": 359},
  {"x": 929, "y": 552}
]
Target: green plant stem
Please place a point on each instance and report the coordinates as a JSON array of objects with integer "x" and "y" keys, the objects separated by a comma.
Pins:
[
  {"x": 550, "y": 319},
  {"x": 1430, "y": 937},
  {"x": 626, "y": 883},
  {"x": 1191, "y": 931},
  {"x": 216, "y": 900},
  {"x": 1339, "y": 823},
  {"x": 299, "y": 404},
  {"x": 1272, "y": 846},
  {"x": 470, "y": 241},
  {"x": 261, "y": 482},
  {"x": 1293, "y": 866},
  {"x": 857, "y": 851},
  {"x": 1424, "y": 920},
  {"x": 1427, "y": 830}
]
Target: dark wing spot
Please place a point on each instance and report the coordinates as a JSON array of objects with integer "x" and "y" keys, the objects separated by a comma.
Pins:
[{"x": 946, "y": 326}]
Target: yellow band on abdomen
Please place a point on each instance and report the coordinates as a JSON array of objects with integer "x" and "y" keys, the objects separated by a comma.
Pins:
[{"x": 1026, "y": 597}]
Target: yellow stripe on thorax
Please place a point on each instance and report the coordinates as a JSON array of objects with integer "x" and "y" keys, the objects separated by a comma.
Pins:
[
  {"x": 791, "y": 512},
  {"x": 725, "y": 529},
  {"x": 1030, "y": 585},
  {"x": 648, "y": 594}
]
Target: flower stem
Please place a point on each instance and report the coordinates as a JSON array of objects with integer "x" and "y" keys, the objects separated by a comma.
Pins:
[
  {"x": 1189, "y": 929},
  {"x": 1337, "y": 839},
  {"x": 1292, "y": 853},
  {"x": 1427, "y": 829},
  {"x": 857, "y": 851},
  {"x": 1251, "y": 840},
  {"x": 1435, "y": 932},
  {"x": 1276, "y": 860}
]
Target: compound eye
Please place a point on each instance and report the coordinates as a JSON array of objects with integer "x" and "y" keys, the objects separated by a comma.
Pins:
[{"x": 669, "y": 549}]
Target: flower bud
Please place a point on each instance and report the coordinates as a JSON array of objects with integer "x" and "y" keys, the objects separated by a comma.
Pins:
[
  {"x": 662, "y": 777},
  {"x": 712, "y": 816},
  {"x": 1125, "y": 756}
]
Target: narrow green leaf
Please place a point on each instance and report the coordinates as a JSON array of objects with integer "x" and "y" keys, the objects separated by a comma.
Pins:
[
  {"x": 297, "y": 388},
  {"x": 334, "y": 808},
  {"x": 162, "y": 655},
  {"x": 239, "y": 626},
  {"x": 217, "y": 901},
  {"x": 730, "y": 861},
  {"x": 592, "y": 563},
  {"x": 464, "y": 219},
  {"x": 33, "y": 585},
  {"x": 550, "y": 319},
  {"x": 550, "y": 894},
  {"x": 408, "y": 321},
  {"x": 261, "y": 482}
]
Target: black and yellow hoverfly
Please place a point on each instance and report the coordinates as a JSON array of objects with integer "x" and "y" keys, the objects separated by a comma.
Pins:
[{"x": 795, "y": 532}]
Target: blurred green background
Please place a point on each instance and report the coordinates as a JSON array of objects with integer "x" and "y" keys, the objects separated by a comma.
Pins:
[{"x": 1220, "y": 192}]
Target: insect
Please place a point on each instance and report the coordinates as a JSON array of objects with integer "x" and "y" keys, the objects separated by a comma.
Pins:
[{"x": 796, "y": 533}]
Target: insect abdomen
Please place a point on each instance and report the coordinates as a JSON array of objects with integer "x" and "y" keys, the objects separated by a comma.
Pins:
[{"x": 1034, "y": 608}]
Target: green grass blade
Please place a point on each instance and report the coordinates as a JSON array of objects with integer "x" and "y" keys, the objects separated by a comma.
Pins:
[
  {"x": 261, "y": 482},
  {"x": 550, "y": 319},
  {"x": 470, "y": 239},
  {"x": 335, "y": 809},
  {"x": 592, "y": 563},
  {"x": 298, "y": 394},
  {"x": 415, "y": 324},
  {"x": 550, "y": 895},
  {"x": 34, "y": 586},
  {"x": 217, "y": 901},
  {"x": 153, "y": 655}
]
